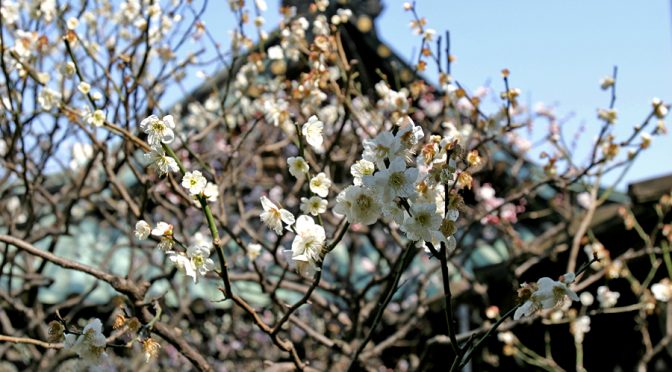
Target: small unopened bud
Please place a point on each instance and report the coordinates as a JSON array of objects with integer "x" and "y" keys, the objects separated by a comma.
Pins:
[
  {"x": 646, "y": 141},
  {"x": 660, "y": 110},
  {"x": 606, "y": 82},
  {"x": 119, "y": 321},
  {"x": 447, "y": 228},
  {"x": 133, "y": 324},
  {"x": 492, "y": 312},
  {"x": 56, "y": 331}
]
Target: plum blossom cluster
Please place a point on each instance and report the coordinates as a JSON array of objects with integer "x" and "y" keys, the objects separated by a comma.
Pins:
[
  {"x": 194, "y": 262},
  {"x": 309, "y": 242},
  {"x": 89, "y": 345},
  {"x": 35, "y": 52},
  {"x": 159, "y": 132},
  {"x": 308, "y": 246},
  {"x": 546, "y": 293},
  {"x": 407, "y": 183}
]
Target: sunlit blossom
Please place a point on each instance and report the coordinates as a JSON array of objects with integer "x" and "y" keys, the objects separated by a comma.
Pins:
[
  {"x": 158, "y": 130},
  {"x": 273, "y": 216},
  {"x": 308, "y": 242},
  {"x": 320, "y": 184},
  {"x": 313, "y": 205},
  {"x": 546, "y": 294},
  {"x": 298, "y": 167},
  {"x": 194, "y": 182},
  {"x": 90, "y": 344},
  {"x": 142, "y": 230},
  {"x": 359, "y": 205},
  {"x": 163, "y": 163},
  {"x": 395, "y": 180},
  {"x": 312, "y": 130}
]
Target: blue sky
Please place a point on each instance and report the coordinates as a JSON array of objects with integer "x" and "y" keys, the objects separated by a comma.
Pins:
[{"x": 556, "y": 51}]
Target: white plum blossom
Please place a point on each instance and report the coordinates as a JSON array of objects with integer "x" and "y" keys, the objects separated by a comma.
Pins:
[
  {"x": 659, "y": 108},
  {"x": 314, "y": 206},
  {"x": 586, "y": 298},
  {"x": 298, "y": 167},
  {"x": 211, "y": 192},
  {"x": 382, "y": 88},
  {"x": 158, "y": 130},
  {"x": 359, "y": 205},
  {"x": 321, "y": 25},
  {"x": 25, "y": 44},
  {"x": 393, "y": 181},
  {"x": 409, "y": 134},
  {"x": 84, "y": 87},
  {"x": 201, "y": 239},
  {"x": 48, "y": 98},
  {"x": 142, "y": 230},
  {"x": 195, "y": 263},
  {"x": 163, "y": 163},
  {"x": 485, "y": 192},
  {"x": 273, "y": 216},
  {"x": 312, "y": 130},
  {"x": 275, "y": 52},
  {"x": 383, "y": 146},
  {"x": 607, "y": 298},
  {"x": 253, "y": 251},
  {"x": 360, "y": 169},
  {"x": 423, "y": 223},
  {"x": 182, "y": 263},
  {"x": 579, "y": 327},
  {"x": 194, "y": 182},
  {"x": 453, "y": 134},
  {"x": 261, "y": 4},
  {"x": 72, "y": 23},
  {"x": 662, "y": 290},
  {"x": 429, "y": 33},
  {"x": 90, "y": 344},
  {"x": 97, "y": 118},
  {"x": 610, "y": 116},
  {"x": 395, "y": 101},
  {"x": 393, "y": 212},
  {"x": 547, "y": 294},
  {"x": 341, "y": 16},
  {"x": 199, "y": 257},
  {"x": 162, "y": 229},
  {"x": 320, "y": 184},
  {"x": 584, "y": 199},
  {"x": 9, "y": 11},
  {"x": 276, "y": 112},
  {"x": 308, "y": 242},
  {"x": 506, "y": 337},
  {"x": 46, "y": 9}
]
